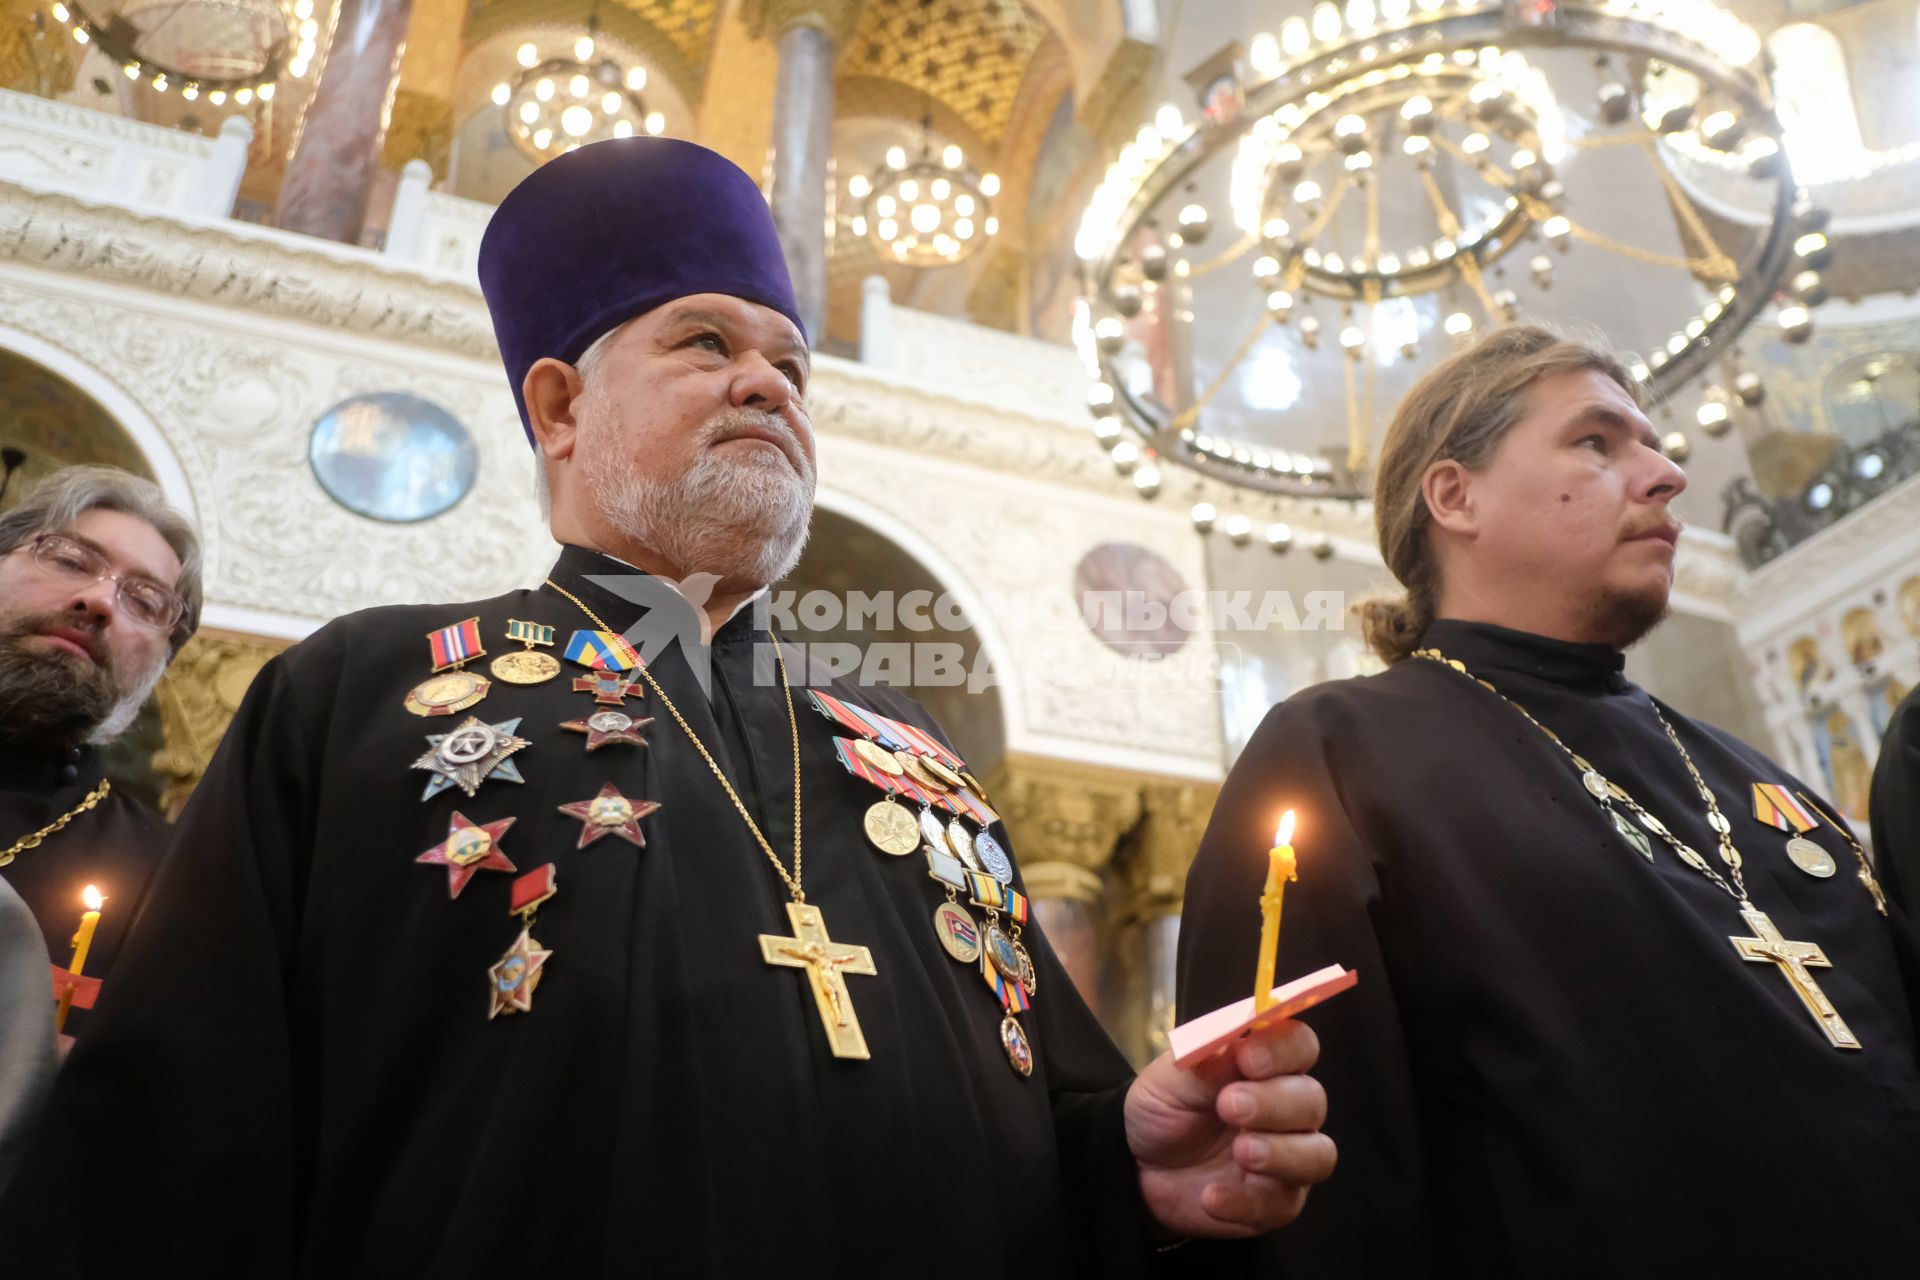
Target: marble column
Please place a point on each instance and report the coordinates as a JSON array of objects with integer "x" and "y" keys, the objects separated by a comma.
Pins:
[
  {"x": 808, "y": 34},
  {"x": 1066, "y": 820},
  {"x": 343, "y": 132},
  {"x": 1174, "y": 817}
]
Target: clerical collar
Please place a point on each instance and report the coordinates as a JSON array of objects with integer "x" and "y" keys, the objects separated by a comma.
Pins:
[
  {"x": 1487, "y": 650},
  {"x": 41, "y": 771}
]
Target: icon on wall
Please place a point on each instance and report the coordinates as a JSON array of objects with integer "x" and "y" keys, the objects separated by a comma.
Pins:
[{"x": 391, "y": 456}]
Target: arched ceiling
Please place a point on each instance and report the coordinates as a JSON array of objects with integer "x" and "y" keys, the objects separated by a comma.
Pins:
[
  {"x": 675, "y": 34},
  {"x": 969, "y": 56}
]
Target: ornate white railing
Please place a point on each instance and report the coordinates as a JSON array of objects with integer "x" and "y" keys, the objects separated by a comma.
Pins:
[{"x": 108, "y": 159}]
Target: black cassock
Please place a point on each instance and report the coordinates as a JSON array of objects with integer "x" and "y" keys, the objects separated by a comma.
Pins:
[
  {"x": 115, "y": 846},
  {"x": 1555, "y": 1063},
  {"x": 1894, "y": 805},
  {"x": 296, "y": 1073}
]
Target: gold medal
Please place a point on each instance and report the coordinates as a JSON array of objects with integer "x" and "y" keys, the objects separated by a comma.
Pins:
[
  {"x": 957, "y": 932},
  {"x": 525, "y": 666},
  {"x": 1014, "y": 1040},
  {"x": 511, "y": 982},
  {"x": 1029, "y": 978},
  {"x": 892, "y": 829},
  {"x": 1811, "y": 858},
  {"x": 939, "y": 770},
  {"x": 879, "y": 757},
  {"x": 446, "y": 692},
  {"x": 915, "y": 767},
  {"x": 1000, "y": 952}
]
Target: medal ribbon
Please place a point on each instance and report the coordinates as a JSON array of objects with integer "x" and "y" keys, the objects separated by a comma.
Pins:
[
  {"x": 1774, "y": 806},
  {"x": 994, "y": 896},
  {"x": 1013, "y": 996},
  {"x": 456, "y": 644},
  {"x": 601, "y": 651}
]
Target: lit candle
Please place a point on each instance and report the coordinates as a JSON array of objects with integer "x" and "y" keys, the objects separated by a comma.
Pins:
[
  {"x": 1279, "y": 871},
  {"x": 82, "y": 943}
]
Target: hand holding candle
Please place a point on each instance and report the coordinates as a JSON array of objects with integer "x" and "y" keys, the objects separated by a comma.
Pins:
[
  {"x": 1280, "y": 869},
  {"x": 82, "y": 943}
]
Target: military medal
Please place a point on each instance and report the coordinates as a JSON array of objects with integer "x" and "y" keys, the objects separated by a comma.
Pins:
[
  {"x": 878, "y": 757},
  {"x": 993, "y": 858},
  {"x": 450, "y": 688},
  {"x": 892, "y": 829},
  {"x": 610, "y": 814},
  {"x": 511, "y": 981},
  {"x": 933, "y": 832},
  {"x": 960, "y": 840},
  {"x": 916, "y": 768},
  {"x": 1014, "y": 1040},
  {"x": 469, "y": 848},
  {"x": 603, "y": 727},
  {"x": 1774, "y": 805},
  {"x": 608, "y": 689},
  {"x": 469, "y": 754},
  {"x": 958, "y": 933},
  {"x": 526, "y": 666}
]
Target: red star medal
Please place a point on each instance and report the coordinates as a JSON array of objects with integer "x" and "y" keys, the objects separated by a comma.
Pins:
[
  {"x": 610, "y": 814},
  {"x": 607, "y": 726},
  {"x": 609, "y": 688},
  {"x": 470, "y": 847},
  {"x": 511, "y": 981}
]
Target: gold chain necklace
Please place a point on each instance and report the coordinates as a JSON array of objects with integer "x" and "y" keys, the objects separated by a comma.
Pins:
[
  {"x": 35, "y": 840},
  {"x": 1770, "y": 945},
  {"x": 809, "y": 947}
]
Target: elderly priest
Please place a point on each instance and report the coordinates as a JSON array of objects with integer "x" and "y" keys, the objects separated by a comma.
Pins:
[{"x": 493, "y": 945}]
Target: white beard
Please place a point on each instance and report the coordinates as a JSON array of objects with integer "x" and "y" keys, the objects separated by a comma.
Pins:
[
  {"x": 127, "y": 707},
  {"x": 743, "y": 520}
]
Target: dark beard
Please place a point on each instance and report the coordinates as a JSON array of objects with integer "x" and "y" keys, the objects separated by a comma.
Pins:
[
  {"x": 49, "y": 699},
  {"x": 1622, "y": 620}
]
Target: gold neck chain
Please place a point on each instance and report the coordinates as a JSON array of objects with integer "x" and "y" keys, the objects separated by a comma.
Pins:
[
  {"x": 34, "y": 841},
  {"x": 792, "y": 880},
  {"x": 1603, "y": 788}
]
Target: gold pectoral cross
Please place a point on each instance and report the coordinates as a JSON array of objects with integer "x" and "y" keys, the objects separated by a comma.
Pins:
[
  {"x": 827, "y": 963},
  {"x": 1770, "y": 947}
]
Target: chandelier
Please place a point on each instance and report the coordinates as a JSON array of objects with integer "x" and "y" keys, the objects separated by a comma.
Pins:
[
  {"x": 561, "y": 103},
  {"x": 1387, "y": 178},
  {"x": 929, "y": 210},
  {"x": 223, "y": 49}
]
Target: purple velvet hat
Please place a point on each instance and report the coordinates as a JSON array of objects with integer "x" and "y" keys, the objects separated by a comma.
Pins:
[{"x": 600, "y": 235}]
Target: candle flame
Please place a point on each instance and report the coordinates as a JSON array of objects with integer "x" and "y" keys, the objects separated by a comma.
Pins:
[
  {"x": 93, "y": 898},
  {"x": 1285, "y": 834}
]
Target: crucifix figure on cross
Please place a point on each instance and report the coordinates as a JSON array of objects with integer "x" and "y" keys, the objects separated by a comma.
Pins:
[
  {"x": 1772, "y": 947},
  {"x": 827, "y": 963}
]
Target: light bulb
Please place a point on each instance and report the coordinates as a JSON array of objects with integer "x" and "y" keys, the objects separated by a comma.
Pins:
[
  {"x": 583, "y": 48},
  {"x": 529, "y": 112},
  {"x": 502, "y": 92},
  {"x": 896, "y": 158},
  {"x": 989, "y": 185},
  {"x": 924, "y": 218},
  {"x": 526, "y": 55},
  {"x": 575, "y": 121},
  {"x": 610, "y": 104},
  {"x": 636, "y": 78},
  {"x": 656, "y": 122}
]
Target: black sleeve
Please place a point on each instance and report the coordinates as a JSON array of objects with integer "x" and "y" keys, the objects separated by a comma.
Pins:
[
  {"x": 1373, "y": 1217},
  {"x": 1893, "y": 808},
  {"x": 1088, "y": 1078},
  {"x": 172, "y": 1132}
]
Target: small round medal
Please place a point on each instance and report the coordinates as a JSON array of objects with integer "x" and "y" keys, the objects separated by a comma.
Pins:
[
  {"x": 525, "y": 667},
  {"x": 1000, "y": 953},
  {"x": 1014, "y": 1040},
  {"x": 1029, "y": 976},
  {"x": 939, "y": 770},
  {"x": 932, "y": 832},
  {"x": 993, "y": 858},
  {"x": 916, "y": 768},
  {"x": 960, "y": 840},
  {"x": 957, "y": 932},
  {"x": 446, "y": 692},
  {"x": 1811, "y": 858},
  {"x": 1595, "y": 784},
  {"x": 879, "y": 757},
  {"x": 892, "y": 829},
  {"x": 610, "y": 721}
]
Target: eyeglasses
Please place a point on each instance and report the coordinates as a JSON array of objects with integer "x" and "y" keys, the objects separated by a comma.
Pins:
[{"x": 146, "y": 601}]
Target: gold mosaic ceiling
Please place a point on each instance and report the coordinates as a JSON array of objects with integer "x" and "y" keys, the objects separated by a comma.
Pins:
[
  {"x": 684, "y": 28},
  {"x": 969, "y": 55}
]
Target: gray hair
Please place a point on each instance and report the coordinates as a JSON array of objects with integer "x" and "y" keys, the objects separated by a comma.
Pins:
[
  {"x": 58, "y": 502},
  {"x": 588, "y": 367}
]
